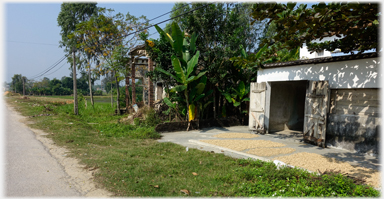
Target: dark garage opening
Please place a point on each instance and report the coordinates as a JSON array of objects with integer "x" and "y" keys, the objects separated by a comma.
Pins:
[{"x": 287, "y": 106}]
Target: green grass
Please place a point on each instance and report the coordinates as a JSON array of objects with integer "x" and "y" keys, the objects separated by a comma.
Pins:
[
  {"x": 57, "y": 96},
  {"x": 130, "y": 162},
  {"x": 97, "y": 99}
]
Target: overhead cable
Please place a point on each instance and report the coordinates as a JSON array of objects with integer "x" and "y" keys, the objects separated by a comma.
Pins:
[
  {"x": 160, "y": 22},
  {"x": 56, "y": 70},
  {"x": 48, "y": 69},
  {"x": 163, "y": 15},
  {"x": 33, "y": 43}
]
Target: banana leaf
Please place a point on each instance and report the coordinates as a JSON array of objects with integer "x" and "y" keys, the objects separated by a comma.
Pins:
[
  {"x": 191, "y": 64},
  {"x": 178, "y": 88},
  {"x": 192, "y": 45},
  {"x": 169, "y": 74},
  {"x": 179, "y": 71},
  {"x": 169, "y": 103},
  {"x": 166, "y": 35},
  {"x": 178, "y": 38}
]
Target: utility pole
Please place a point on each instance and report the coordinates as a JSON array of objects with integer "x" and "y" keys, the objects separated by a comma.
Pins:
[{"x": 75, "y": 106}]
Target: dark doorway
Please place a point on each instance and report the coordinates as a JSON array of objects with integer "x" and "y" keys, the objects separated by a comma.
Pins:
[{"x": 287, "y": 106}]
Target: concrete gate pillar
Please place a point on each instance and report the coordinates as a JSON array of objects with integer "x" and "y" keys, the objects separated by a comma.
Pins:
[
  {"x": 151, "y": 96},
  {"x": 133, "y": 69}
]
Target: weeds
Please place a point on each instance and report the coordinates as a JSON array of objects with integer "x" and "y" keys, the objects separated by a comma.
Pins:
[{"x": 127, "y": 160}]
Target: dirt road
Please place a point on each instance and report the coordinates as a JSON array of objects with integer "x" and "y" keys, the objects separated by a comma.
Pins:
[{"x": 35, "y": 167}]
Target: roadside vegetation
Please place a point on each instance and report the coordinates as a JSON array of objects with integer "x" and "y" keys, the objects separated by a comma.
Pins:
[
  {"x": 128, "y": 161},
  {"x": 205, "y": 61}
]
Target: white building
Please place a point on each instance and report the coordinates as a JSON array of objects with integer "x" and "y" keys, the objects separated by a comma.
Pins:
[{"x": 332, "y": 100}]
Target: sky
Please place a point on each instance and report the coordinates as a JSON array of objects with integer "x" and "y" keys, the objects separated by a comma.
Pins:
[{"x": 31, "y": 35}]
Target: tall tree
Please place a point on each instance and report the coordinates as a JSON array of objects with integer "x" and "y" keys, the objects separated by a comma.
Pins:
[
  {"x": 110, "y": 38},
  {"x": 222, "y": 28},
  {"x": 70, "y": 15},
  {"x": 67, "y": 82},
  {"x": 355, "y": 25},
  {"x": 17, "y": 83}
]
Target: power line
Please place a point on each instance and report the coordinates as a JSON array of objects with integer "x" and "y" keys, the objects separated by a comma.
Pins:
[
  {"x": 165, "y": 21},
  {"x": 160, "y": 22},
  {"x": 163, "y": 14},
  {"x": 58, "y": 62},
  {"x": 151, "y": 20},
  {"x": 49, "y": 68},
  {"x": 56, "y": 70},
  {"x": 33, "y": 43}
]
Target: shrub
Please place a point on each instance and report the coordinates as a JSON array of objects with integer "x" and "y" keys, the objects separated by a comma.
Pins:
[{"x": 98, "y": 93}]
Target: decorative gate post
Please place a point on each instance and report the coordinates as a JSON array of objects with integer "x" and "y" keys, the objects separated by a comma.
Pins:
[
  {"x": 151, "y": 96},
  {"x": 133, "y": 72}
]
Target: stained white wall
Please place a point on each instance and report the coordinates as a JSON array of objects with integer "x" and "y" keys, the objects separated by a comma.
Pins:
[{"x": 361, "y": 73}]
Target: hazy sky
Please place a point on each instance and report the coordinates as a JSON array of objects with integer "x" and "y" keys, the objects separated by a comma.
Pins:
[{"x": 31, "y": 35}]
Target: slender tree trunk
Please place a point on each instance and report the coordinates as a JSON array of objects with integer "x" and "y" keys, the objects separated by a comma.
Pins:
[
  {"x": 111, "y": 95},
  {"x": 75, "y": 105},
  {"x": 221, "y": 104},
  {"x": 90, "y": 84},
  {"x": 215, "y": 103},
  {"x": 133, "y": 72},
  {"x": 126, "y": 92},
  {"x": 118, "y": 94}
]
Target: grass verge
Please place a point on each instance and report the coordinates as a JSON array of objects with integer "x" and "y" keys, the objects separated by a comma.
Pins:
[{"x": 128, "y": 161}]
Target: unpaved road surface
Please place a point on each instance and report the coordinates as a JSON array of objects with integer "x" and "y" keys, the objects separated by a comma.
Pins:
[{"x": 35, "y": 167}]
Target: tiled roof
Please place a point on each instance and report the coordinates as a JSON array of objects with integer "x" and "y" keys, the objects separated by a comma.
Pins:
[
  {"x": 139, "y": 47},
  {"x": 322, "y": 60}
]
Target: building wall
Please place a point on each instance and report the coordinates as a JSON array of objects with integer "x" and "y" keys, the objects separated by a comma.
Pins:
[
  {"x": 361, "y": 73},
  {"x": 354, "y": 120}
]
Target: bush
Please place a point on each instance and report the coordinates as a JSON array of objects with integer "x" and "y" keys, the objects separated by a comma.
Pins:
[
  {"x": 151, "y": 118},
  {"x": 98, "y": 93}
]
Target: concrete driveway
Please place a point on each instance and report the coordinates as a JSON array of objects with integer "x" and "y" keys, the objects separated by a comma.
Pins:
[{"x": 191, "y": 139}]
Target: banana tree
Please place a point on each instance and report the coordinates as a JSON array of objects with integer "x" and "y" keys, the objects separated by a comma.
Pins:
[
  {"x": 195, "y": 95},
  {"x": 237, "y": 95},
  {"x": 184, "y": 65},
  {"x": 171, "y": 106}
]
